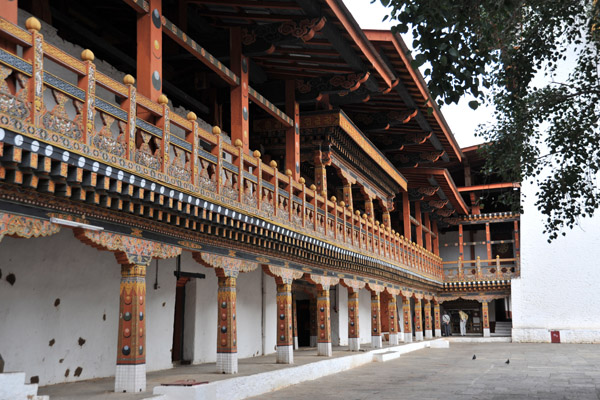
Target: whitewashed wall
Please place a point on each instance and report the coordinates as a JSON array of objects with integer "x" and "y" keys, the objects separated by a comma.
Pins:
[
  {"x": 364, "y": 315},
  {"x": 450, "y": 253},
  {"x": 86, "y": 281},
  {"x": 558, "y": 288}
]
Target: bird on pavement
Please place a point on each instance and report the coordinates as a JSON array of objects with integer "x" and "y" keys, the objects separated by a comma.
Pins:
[
  {"x": 474, "y": 357},
  {"x": 507, "y": 361}
]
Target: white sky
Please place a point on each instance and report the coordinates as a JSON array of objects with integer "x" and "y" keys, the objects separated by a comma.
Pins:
[{"x": 461, "y": 118}]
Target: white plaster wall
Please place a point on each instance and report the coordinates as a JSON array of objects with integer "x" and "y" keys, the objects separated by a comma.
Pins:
[
  {"x": 364, "y": 315},
  {"x": 203, "y": 304},
  {"x": 160, "y": 312},
  {"x": 87, "y": 283},
  {"x": 269, "y": 314},
  {"x": 248, "y": 310},
  {"x": 449, "y": 253},
  {"x": 558, "y": 288},
  {"x": 342, "y": 315}
]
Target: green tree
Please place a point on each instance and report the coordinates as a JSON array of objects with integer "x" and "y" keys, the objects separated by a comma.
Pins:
[{"x": 495, "y": 51}]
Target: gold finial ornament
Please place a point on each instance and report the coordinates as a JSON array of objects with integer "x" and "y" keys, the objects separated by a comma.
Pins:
[
  {"x": 128, "y": 79},
  {"x": 313, "y": 187},
  {"x": 256, "y": 154},
  {"x": 333, "y": 199},
  {"x": 162, "y": 99},
  {"x": 216, "y": 130},
  {"x": 238, "y": 143},
  {"x": 301, "y": 180},
  {"x": 342, "y": 203},
  {"x": 87, "y": 55},
  {"x": 357, "y": 213},
  {"x": 33, "y": 24},
  {"x": 288, "y": 172},
  {"x": 273, "y": 164},
  {"x": 192, "y": 116}
]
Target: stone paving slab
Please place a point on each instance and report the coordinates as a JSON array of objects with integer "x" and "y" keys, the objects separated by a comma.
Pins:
[
  {"x": 103, "y": 389},
  {"x": 536, "y": 371}
]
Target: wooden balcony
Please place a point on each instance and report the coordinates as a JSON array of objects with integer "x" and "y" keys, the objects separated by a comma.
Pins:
[
  {"x": 462, "y": 274},
  {"x": 170, "y": 158}
]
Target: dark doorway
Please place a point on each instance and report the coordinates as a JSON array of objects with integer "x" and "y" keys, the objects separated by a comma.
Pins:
[
  {"x": 303, "y": 318},
  {"x": 178, "y": 322}
]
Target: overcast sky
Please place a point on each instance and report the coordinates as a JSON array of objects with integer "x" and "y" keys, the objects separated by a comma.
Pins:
[{"x": 462, "y": 119}]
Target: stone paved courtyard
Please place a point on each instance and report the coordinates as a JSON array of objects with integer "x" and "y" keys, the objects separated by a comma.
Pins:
[{"x": 536, "y": 371}]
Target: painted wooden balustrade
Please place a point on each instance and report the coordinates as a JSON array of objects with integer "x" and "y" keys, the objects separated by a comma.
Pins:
[
  {"x": 91, "y": 114},
  {"x": 474, "y": 270}
]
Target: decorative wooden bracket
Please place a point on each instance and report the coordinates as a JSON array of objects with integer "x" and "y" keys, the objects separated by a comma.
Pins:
[
  {"x": 375, "y": 287},
  {"x": 263, "y": 39},
  {"x": 314, "y": 89},
  {"x": 224, "y": 266},
  {"x": 127, "y": 249},
  {"x": 354, "y": 285},
  {"x": 281, "y": 274},
  {"x": 322, "y": 282},
  {"x": 25, "y": 227}
]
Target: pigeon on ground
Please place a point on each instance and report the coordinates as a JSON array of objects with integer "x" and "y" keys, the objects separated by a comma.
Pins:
[
  {"x": 474, "y": 357},
  {"x": 507, "y": 361}
]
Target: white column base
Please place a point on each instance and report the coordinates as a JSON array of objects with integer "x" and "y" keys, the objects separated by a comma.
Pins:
[
  {"x": 486, "y": 332},
  {"x": 313, "y": 341},
  {"x": 130, "y": 378},
  {"x": 227, "y": 363},
  {"x": 438, "y": 333},
  {"x": 354, "y": 344},
  {"x": 394, "y": 339},
  {"x": 418, "y": 336},
  {"x": 376, "y": 342},
  {"x": 428, "y": 334},
  {"x": 324, "y": 349},
  {"x": 295, "y": 342},
  {"x": 285, "y": 354},
  {"x": 408, "y": 337}
]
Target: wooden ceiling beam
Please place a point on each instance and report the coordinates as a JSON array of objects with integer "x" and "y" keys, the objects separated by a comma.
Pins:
[{"x": 283, "y": 5}]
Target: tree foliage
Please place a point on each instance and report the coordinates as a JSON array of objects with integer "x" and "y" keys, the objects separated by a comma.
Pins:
[{"x": 505, "y": 53}]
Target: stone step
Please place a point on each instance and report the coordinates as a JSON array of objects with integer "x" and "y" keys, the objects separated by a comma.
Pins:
[
  {"x": 386, "y": 356},
  {"x": 13, "y": 387}
]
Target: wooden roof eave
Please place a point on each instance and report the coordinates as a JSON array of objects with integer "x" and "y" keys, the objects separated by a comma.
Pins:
[
  {"x": 417, "y": 78},
  {"x": 457, "y": 200}
]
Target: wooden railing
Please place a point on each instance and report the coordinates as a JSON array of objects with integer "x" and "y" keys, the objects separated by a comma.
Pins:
[
  {"x": 473, "y": 270},
  {"x": 127, "y": 130}
]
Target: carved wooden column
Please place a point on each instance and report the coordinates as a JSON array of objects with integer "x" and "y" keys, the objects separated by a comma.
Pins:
[
  {"x": 292, "y": 134},
  {"x": 428, "y": 322},
  {"x": 427, "y": 223},
  {"x": 348, "y": 194},
  {"x": 406, "y": 216},
  {"x": 418, "y": 320},
  {"x": 240, "y": 112},
  {"x": 285, "y": 330},
  {"x": 227, "y": 270},
  {"x": 323, "y": 312},
  {"x": 369, "y": 208},
  {"x": 134, "y": 255},
  {"x": 419, "y": 229},
  {"x": 393, "y": 316},
  {"x": 486, "y": 318},
  {"x": 321, "y": 161},
  {"x": 437, "y": 319},
  {"x": 131, "y": 348},
  {"x": 353, "y": 287},
  {"x": 376, "y": 340},
  {"x": 407, "y": 318},
  {"x": 149, "y": 51}
]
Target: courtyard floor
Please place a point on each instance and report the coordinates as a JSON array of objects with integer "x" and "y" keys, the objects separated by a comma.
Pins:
[{"x": 535, "y": 371}]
